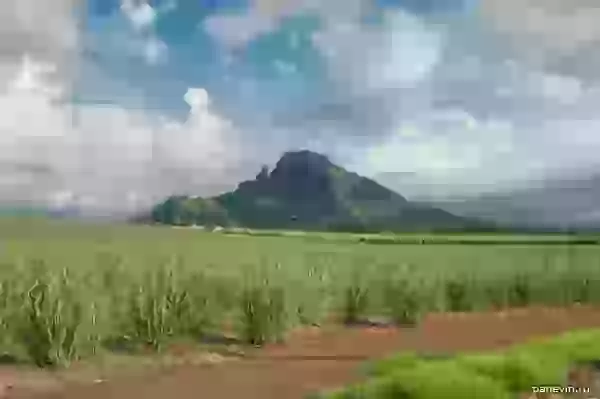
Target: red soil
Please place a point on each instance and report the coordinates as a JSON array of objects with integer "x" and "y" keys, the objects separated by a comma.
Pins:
[{"x": 315, "y": 359}]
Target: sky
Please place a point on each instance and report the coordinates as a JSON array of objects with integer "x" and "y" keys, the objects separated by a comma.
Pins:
[{"x": 112, "y": 105}]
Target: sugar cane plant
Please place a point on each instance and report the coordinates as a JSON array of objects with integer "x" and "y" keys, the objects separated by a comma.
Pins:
[
  {"x": 263, "y": 305},
  {"x": 49, "y": 321}
]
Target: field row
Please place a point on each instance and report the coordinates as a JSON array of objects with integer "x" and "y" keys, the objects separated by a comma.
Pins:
[
  {"x": 53, "y": 315},
  {"x": 70, "y": 291}
]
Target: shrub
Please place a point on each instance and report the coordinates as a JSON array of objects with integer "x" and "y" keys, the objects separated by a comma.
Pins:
[
  {"x": 48, "y": 322},
  {"x": 355, "y": 297},
  {"x": 263, "y": 305},
  {"x": 402, "y": 300}
]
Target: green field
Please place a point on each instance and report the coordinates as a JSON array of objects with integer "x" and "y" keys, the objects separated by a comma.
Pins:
[{"x": 69, "y": 291}]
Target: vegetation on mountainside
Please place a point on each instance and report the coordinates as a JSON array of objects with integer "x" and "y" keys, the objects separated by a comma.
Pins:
[{"x": 305, "y": 191}]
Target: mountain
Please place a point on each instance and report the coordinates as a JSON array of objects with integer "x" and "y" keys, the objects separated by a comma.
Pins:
[
  {"x": 306, "y": 191},
  {"x": 553, "y": 204}
]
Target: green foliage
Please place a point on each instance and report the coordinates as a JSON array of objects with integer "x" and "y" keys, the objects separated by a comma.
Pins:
[
  {"x": 484, "y": 375},
  {"x": 518, "y": 371},
  {"x": 387, "y": 365},
  {"x": 427, "y": 380},
  {"x": 184, "y": 211}
]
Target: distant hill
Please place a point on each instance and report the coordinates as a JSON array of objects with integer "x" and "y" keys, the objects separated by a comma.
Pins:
[
  {"x": 306, "y": 191},
  {"x": 566, "y": 204}
]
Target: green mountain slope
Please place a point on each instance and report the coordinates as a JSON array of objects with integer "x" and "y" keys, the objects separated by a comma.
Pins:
[{"x": 306, "y": 191}]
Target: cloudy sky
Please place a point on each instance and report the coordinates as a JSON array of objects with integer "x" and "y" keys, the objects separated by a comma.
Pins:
[{"x": 113, "y": 104}]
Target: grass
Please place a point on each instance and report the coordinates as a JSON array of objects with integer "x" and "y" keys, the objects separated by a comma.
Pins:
[
  {"x": 70, "y": 291},
  {"x": 503, "y": 374}
]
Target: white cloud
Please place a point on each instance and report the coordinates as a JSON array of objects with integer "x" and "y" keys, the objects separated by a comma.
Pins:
[
  {"x": 155, "y": 51},
  {"x": 441, "y": 154},
  {"x": 45, "y": 30},
  {"x": 28, "y": 79},
  {"x": 141, "y": 15},
  {"x": 544, "y": 27},
  {"x": 564, "y": 89},
  {"x": 113, "y": 156},
  {"x": 494, "y": 142},
  {"x": 197, "y": 99},
  {"x": 408, "y": 54},
  {"x": 143, "y": 41},
  {"x": 110, "y": 155},
  {"x": 461, "y": 149},
  {"x": 401, "y": 54}
]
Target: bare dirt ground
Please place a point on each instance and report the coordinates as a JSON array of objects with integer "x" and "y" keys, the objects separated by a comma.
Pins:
[{"x": 311, "y": 360}]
